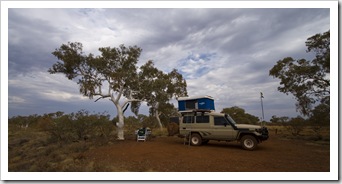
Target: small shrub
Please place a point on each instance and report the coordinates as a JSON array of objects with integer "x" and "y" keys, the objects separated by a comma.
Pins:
[
  {"x": 296, "y": 125},
  {"x": 172, "y": 129}
]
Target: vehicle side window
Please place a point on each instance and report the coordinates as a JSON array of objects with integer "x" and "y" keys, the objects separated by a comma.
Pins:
[
  {"x": 188, "y": 119},
  {"x": 219, "y": 121},
  {"x": 202, "y": 119}
]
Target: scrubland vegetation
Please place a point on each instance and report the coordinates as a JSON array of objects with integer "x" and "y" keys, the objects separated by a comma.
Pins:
[{"x": 57, "y": 141}]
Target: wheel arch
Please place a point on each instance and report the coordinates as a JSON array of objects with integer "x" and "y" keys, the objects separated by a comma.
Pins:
[
  {"x": 243, "y": 133},
  {"x": 195, "y": 132}
]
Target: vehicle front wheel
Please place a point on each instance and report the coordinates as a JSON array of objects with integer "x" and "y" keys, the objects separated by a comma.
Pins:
[
  {"x": 196, "y": 139},
  {"x": 249, "y": 142}
]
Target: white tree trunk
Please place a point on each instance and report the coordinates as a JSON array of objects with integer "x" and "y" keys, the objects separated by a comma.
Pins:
[
  {"x": 157, "y": 114},
  {"x": 120, "y": 124},
  {"x": 158, "y": 119}
]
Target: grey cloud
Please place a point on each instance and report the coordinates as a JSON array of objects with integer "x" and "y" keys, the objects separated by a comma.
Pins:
[
  {"x": 30, "y": 43},
  {"x": 268, "y": 26},
  {"x": 237, "y": 48}
]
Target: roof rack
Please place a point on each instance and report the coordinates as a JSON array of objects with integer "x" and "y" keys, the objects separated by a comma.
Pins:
[{"x": 197, "y": 110}]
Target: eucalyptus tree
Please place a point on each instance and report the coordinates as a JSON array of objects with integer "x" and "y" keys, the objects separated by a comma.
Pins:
[
  {"x": 159, "y": 87},
  {"x": 113, "y": 74},
  {"x": 307, "y": 80}
]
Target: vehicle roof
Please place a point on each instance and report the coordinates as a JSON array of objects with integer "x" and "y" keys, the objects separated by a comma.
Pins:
[
  {"x": 194, "y": 97},
  {"x": 216, "y": 114}
]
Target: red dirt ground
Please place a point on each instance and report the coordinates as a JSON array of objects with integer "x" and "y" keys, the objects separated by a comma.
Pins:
[{"x": 170, "y": 154}]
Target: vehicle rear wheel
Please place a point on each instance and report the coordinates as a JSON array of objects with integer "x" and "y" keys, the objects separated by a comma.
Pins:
[
  {"x": 195, "y": 139},
  {"x": 249, "y": 142}
]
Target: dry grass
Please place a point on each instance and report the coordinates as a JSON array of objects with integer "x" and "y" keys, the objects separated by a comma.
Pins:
[
  {"x": 307, "y": 132},
  {"x": 159, "y": 132},
  {"x": 31, "y": 150}
]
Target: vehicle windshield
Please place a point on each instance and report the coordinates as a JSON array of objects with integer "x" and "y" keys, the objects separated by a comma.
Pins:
[{"x": 230, "y": 119}]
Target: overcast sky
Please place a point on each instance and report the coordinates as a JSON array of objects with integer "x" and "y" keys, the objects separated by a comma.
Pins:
[{"x": 225, "y": 53}]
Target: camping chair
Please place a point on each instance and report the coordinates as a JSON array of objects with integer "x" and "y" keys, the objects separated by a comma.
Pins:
[{"x": 141, "y": 134}]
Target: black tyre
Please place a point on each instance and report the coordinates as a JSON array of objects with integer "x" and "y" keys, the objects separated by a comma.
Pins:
[
  {"x": 248, "y": 142},
  {"x": 195, "y": 139}
]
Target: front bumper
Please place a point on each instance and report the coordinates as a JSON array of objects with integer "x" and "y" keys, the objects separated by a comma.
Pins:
[{"x": 264, "y": 134}]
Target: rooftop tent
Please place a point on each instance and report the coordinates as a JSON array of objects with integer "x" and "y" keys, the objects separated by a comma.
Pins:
[{"x": 196, "y": 103}]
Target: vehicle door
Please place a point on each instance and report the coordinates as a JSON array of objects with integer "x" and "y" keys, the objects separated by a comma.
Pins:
[
  {"x": 187, "y": 124},
  {"x": 222, "y": 130},
  {"x": 202, "y": 125}
]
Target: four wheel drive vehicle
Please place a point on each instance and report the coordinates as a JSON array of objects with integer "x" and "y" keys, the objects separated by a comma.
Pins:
[{"x": 200, "y": 126}]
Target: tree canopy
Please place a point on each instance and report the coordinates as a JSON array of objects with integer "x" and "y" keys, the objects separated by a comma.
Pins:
[
  {"x": 160, "y": 87},
  {"x": 307, "y": 80},
  {"x": 115, "y": 66}
]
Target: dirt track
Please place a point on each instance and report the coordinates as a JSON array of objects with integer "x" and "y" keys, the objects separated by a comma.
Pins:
[{"x": 165, "y": 154}]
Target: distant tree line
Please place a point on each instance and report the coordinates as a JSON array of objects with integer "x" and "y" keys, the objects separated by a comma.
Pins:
[
  {"x": 63, "y": 127},
  {"x": 240, "y": 116},
  {"x": 83, "y": 125}
]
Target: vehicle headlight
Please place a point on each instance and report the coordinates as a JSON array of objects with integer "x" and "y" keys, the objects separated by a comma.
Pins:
[
  {"x": 259, "y": 130},
  {"x": 262, "y": 130}
]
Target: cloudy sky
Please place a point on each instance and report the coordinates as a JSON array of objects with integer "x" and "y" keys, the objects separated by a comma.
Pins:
[{"x": 224, "y": 52}]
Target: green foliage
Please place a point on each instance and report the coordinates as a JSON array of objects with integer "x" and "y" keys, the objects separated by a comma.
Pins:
[
  {"x": 159, "y": 87},
  {"x": 168, "y": 110},
  {"x": 240, "y": 116},
  {"x": 320, "y": 45},
  {"x": 307, "y": 80},
  {"x": 148, "y": 121},
  {"x": 320, "y": 115},
  {"x": 135, "y": 107},
  {"x": 115, "y": 66},
  {"x": 296, "y": 125},
  {"x": 61, "y": 129},
  {"x": 172, "y": 129},
  {"x": 131, "y": 124}
]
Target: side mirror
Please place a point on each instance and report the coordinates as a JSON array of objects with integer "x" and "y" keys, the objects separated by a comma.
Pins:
[{"x": 225, "y": 124}]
